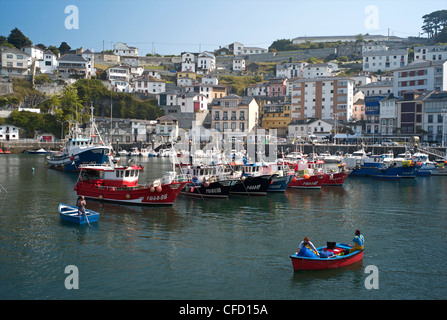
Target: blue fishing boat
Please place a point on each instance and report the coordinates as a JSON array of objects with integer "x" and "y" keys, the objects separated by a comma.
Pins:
[
  {"x": 280, "y": 183},
  {"x": 80, "y": 149},
  {"x": 69, "y": 213},
  {"x": 375, "y": 166}
]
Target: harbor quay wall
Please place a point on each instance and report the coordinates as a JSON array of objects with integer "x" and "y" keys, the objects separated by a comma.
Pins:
[{"x": 19, "y": 146}]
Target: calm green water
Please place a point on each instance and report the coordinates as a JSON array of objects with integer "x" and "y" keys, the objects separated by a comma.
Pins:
[{"x": 219, "y": 249}]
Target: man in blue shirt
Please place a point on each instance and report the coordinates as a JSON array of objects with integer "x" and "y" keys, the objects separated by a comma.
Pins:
[{"x": 359, "y": 241}]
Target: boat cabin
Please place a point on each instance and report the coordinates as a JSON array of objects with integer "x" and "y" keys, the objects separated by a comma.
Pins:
[{"x": 107, "y": 176}]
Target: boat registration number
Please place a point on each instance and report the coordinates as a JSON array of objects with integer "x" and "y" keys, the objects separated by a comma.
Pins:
[{"x": 157, "y": 198}]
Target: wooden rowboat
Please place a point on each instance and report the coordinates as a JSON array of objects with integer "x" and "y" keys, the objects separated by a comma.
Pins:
[
  {"x": 69, "y": 213},
  {"x": 331, "y": 262}
]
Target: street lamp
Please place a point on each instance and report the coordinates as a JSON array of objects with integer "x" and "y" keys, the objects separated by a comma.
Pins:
[
  {"x": 62, "y": 127},
  {"x": 444, "y": 113}
]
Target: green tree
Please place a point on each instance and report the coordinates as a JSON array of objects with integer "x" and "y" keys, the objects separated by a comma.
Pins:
[
  {"x": 64, "y": 48},
  {"x": 54, "y": 49},
  {"x": 434, "y": 22},
  {"x": 280, "y": 45},
  {"x": 18, "y": 39}
]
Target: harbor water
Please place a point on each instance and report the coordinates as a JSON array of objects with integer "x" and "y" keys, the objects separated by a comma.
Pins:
[{"x": 217, "y": 249}]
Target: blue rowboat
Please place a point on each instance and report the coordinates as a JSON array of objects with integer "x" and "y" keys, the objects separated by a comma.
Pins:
[{"x": 69, "y": 213}]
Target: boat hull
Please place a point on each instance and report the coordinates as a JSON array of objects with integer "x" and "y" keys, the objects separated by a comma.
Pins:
[
  {"x": 279, "y": 184},
  {"x": 252, "y": 185},
  {"x": 70, "y": 163},
  {"x": 306, "y": 263},
  {"x": 140, "y": 195},
  {"x": 335, "y": 179},
  {"x": 217, "y": 189},
  {"x": 403, "y": 172},
  {"x": 312, "y": 182},
  {"x": 69, "y": 213}
]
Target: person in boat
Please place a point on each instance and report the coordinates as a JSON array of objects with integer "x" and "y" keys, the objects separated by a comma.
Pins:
[
  {"x": 359, "y": 241},
  {"x": 81, "y": 205},
  {"x": 309, "y": 245}
]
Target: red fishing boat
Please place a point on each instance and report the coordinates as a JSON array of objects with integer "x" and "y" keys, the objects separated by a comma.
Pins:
[
  {"x": 109, "y": 182},
  {"x": 307, "y": 181},
  {"x": 335, "y": 178},
  {"x": 329, "y": 258}
]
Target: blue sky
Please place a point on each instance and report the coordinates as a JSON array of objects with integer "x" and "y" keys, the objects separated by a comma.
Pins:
[{"x": 174, "y": 26}]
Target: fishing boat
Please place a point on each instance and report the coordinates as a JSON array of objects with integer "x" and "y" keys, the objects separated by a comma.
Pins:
[
  {"x": 382, "y": 165},
  {"x": 307, "y": 181},
  {"x": 39, "y": 151},
  {"x": 329, "y": 258},
  {"x": 441, "y": 169},
  {"x": 4, "y": 151},
  {"x": 80, "y": 149},
  {"x": 280, "y": 182},
  {"x": 333, "y": 178},
  {"x": 207, "y": 182},
  {"x": 250, "y": 179},
  {"x": 69, "y": 213},
  {"x": 118, "y": 183}
]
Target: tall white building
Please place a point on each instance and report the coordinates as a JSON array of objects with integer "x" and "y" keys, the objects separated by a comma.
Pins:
[{"x": 322, "y": 98}]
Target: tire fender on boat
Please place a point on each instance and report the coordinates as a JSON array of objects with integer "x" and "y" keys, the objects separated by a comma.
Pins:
[{"x": 127, "y": 196}]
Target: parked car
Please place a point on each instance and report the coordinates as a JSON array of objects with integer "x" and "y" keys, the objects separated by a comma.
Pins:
[{"x": 389, "y": 143}]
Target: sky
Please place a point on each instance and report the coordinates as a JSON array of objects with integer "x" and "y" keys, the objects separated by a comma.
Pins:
[{"x": 175, "y": 26}]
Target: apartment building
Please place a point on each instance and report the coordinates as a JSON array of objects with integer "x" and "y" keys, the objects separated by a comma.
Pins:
[
  {"x": 234, "y": 113},
  {"x": 322, "y": 98},
  {"x": 430, "y": 53},
  {"x": 15, "y": 62},
  {"x": 276, "y": 116},
  {"x": 384, "y": 60},
  {"x": 421, "y": 76}
]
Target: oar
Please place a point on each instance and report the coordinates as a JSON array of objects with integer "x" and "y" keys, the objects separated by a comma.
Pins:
[{"x": 85, "y": 214}]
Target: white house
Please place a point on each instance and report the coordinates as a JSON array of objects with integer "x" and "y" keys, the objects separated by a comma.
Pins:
[
  {"x": 122, "y": 49},
  {"x": 33, "y": 51},
  {"x": 430, "y": 53},
  {"x": 49, "y": 62},
  {"x": 185, "y": 81},
  {"x": 290, "y": 70},
  {"x": 189, "y": 61},
  {"x": 388, "y": 115},
  {"x": 307, "y": 127},
  {"x": 119, "y": 77},
  {"x": 9, "y": 132},
  {"x": 206, "y": 62},
  {"x": 376, "y": 88},
  {"x": 149, "y": 85},
  {"x": 238, "y": 64},
  {"x": 316, "y": 70},
  {"x": 210, "y": 79},
  {"x": 238, "y": 49},
  {"x": 72, "y": 65},
  {"x": 420, "y": 75},
  {"x": 15, "y": 62},
  {"x": 384, "y": 60},
  {"x": 89, "y": 56}
]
